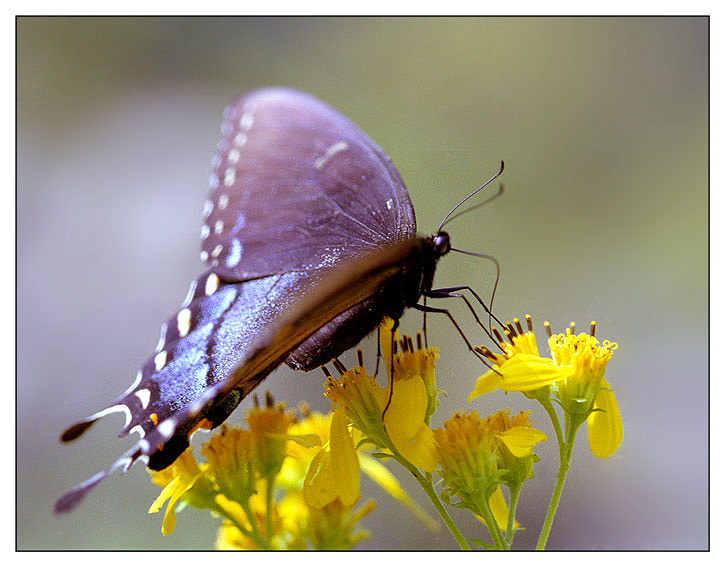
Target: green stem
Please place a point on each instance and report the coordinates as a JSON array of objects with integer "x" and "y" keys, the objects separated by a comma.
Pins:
[
  {"x": 244, "y": 531},
  {"x": 514, "y": 492},
  {"x": 433, "y": 496},
  {"x": 269, "y": 485},
  {"x": 565, "y": 452},
  {"x": 549, "y": 407},
  {"x": 484, "y": 510},
  {"x": 253, "y": 523}
]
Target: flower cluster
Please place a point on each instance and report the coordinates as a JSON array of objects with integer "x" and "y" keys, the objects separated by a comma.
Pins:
[
  {"x": 257, "y": 480},
  {"x": 288, "y": 483}
]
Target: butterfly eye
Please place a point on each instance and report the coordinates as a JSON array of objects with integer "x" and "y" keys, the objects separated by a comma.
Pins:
[{"x": 442, "y": 243}]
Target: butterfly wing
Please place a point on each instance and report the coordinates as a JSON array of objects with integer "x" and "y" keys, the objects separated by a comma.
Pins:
[
  {"x": 297, "y": 189},
  {"x": 297, "y": 186}
]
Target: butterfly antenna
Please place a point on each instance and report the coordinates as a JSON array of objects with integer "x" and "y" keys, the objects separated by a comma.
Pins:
[{"x": 445, "y": 220}]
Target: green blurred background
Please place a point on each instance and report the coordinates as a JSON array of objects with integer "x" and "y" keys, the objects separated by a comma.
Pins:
[{"x": 603, "y": 124}]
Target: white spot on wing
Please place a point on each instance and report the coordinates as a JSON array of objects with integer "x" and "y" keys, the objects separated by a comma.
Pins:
[
  {"x": 120, "y": 408},
  {"x": 233, "y": 155},
  {"x": 162, "y": 338},
  {"x": 235, "y": 254},
  {"x": 229, "y": 177},
  {"x": 138, "y": 429},
  {"x": 144, "y": 395},
  {"x": 217, "y": 250},
  {"x": 218, "y": 227},
  {"x": 223, "y": 201},
  {"x": 204, "y": 255},
  {"x": 160, "y": 360},
  {"x": 183, "y": 321},
  {"x": 246, "y": 121},
  {"x": 335, "y": 148},
  {"x": 189, "y": 294},
  {"x": 213, "y": 181},
  {"x": 240, "y": 139},
  {"x": 212, "y": 283},
  {"x": 166, "y": 428},
  {"x": 207, "y": 209},
  {"x": 389, "y": 204},
  {"x": 204, "y": 231},
  {"x": 136, "y": 382}
]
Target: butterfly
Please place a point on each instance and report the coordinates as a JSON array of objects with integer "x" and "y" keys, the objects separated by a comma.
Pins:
[{"x": 309, "y": 240}]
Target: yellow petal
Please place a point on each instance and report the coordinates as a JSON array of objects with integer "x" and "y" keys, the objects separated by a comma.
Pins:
[
  {"x": 521, "y": 440},
  {"x": 343, "y": 458},
  {"x": 604, "y": 428},
  {"x": 334, "y": 473},
  {"x": 387, "y": 481},
  {"x": 499, "y": 508},
  {"x": 526, "y": 372},
  {"x": 485, "y": 384},
  {"x": 164, "y": 496},
  {"x": 405, "y": 423},
  {"x": 319, "y": 489}
]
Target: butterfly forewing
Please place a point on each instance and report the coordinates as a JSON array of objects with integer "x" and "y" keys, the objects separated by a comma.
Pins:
[{"x": 297, "y": 186}]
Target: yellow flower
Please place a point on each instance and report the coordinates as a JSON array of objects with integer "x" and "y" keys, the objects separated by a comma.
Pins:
[
  {"x": 268, "y": 427},
  {"x": 405, "y": 421},
  {"x": 516, "y": 433},
  {"x": 588, "y": 360},
  {"x": 519, "y": 368},
  {"x": 477, "y": 454},
  {"x": 574, "y": 374},
  {"x": 178, "y": 480},
  {"x": 313, "y": 432},
  {"x": 231, "y": 459},
  {"x": 335, "y": 471},
  {"x": 467, "y": 449},
  {"x": 334, "y": 526},
  {"x": 362, "y": 399}
]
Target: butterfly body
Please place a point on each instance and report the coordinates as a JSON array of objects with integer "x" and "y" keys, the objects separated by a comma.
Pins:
[{"x": 309, "y": 238}]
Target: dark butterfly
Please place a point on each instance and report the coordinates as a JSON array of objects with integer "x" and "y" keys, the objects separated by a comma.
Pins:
[{"x": 310, "y": 240}]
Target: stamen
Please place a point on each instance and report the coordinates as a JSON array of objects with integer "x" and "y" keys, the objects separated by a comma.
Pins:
[
  {"x": 518, "y": 326},
  {"x": 360, "y": 358},
  {"x": 495, "y": 332},
  {"x": 419, "y": 341},
  {"x": 256, "y": 401},
  {"x": 547, "y": 328},
  {"x": 510, "y": 327},
  {"x": 572, "y": 327},
  {"x": 485, "y": 352},
  {"x": 269, "y": 399},
  {"x": 339, "y": 366},
  {"x": 592, "y": 328},
  {"x": 326, "y": 371},
  {"x": 409, "y": 343}
]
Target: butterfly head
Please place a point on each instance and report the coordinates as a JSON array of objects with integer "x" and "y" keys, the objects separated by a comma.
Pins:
[{"x": 441, "y": 243}]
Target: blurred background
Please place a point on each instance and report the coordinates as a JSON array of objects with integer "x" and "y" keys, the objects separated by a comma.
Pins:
[{"x": 603, "y": 124}]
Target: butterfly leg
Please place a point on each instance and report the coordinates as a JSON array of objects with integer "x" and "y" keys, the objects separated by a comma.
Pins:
[
  {"x": 396, "y": 323},
  {"x": 451, "y": 292},
  {"x": 428, "y": 309}
]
